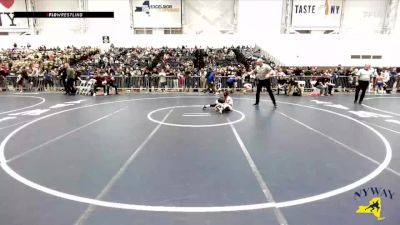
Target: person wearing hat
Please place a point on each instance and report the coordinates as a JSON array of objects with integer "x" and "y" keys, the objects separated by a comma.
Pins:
[
  {"x": 223, "y": 104},
  {"x": 263, "y": 74}
]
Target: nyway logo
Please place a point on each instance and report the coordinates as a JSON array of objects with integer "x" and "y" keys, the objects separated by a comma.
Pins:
[{"x": 374, "y": 206}]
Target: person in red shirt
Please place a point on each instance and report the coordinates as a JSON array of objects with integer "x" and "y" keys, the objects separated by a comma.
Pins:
[
  {"x": 100, "y": 82},
  {"x": 3, "y": 73},
  {"x": 110, "y": 82},
  {"x": 4, "y": 70}
]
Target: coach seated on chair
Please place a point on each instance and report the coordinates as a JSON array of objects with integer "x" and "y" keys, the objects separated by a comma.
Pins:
[
  {"x": 100, "y": 82},
  {"x": 292, "y": 82},
  {"x": 321, "y": 85},
  {"x": 329, "y": 84},
  {"x": 282, "y": 81},
  {"x": 110, "y": 82}
]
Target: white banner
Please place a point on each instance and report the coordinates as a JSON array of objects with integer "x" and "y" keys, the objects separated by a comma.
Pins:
[
  {"x": 7, "y": 21},
  {"x": 157, "y": 13},
  {"x": 312, "y": 14}
]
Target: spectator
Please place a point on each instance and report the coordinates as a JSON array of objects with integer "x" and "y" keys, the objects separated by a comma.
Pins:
[
  {"x": 397, "y": 82},
  {"x": 231, "y": 82},
  {"x": 282, "y": 81},
  {"x": 203, "y": 79},
  {"x": 211, "y": 81},
  {"x": 22, "y": 79},
  {"x": 3, "y": 73},
  {"x": 70, "y": 90},
  {"x": 48, "y": 79},
  {"x": 163, "y": 79},
  {"x": 154, "y": 80},
  {"x": 128, "y": 61}
]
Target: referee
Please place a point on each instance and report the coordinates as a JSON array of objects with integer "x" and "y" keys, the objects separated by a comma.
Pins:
[
  {"x": 362, "y": 81},
  {"x": 263, "y": 74}
]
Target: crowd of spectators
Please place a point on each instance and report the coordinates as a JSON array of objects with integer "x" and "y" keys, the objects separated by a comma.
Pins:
[
  {"x": 160, "y": 68},
  {"x": 29, "y": 66},
  {"x": 184, "y": 68},
  {"x": 343, "y": 78}
]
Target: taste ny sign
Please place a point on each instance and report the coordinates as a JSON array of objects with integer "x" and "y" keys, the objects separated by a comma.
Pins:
[
  {"x": 316, "y": 14},
  {"x": 7, "y": 21}
]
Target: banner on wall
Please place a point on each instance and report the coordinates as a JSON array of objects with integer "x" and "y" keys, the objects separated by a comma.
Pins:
[
  {"x": 317, "y": 13},
  {"x": 7, "y": 21},
  {"x": 157, "y": 13},
  {"x": 106, "y": 39}
]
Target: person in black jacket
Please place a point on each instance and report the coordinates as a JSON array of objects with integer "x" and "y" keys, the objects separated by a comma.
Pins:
[
  {"x": 62, "y": 73},
  {"x": 70, "y": 90},
  {"x": 22, "y": 78}
]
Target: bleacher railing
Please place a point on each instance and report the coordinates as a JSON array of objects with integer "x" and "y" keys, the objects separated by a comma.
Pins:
[{"x": 187, "y": 84}]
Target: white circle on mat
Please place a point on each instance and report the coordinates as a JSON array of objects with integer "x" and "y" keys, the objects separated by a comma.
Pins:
[
  {"x": 381, "y": 110},
  {"x": 149, "y": 116},
  {"x": 26, "y": 107},
  {"x": 189, "y": 209}
]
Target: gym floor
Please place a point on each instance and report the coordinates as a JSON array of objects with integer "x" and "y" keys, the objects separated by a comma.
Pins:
[{"x": 160, "y": 159}]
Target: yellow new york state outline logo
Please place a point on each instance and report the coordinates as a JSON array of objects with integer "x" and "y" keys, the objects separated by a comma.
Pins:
[
  {"x": 374, "y": 207},
  {"x": 375, "y": 204}
]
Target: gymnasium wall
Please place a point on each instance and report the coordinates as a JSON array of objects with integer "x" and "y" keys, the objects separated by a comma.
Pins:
[
  {"x": 118, "y": 26},
  {"x": 208, "y": 17},
  {"x": 364, "y": 16},
  {"x": 258, "y": 17},
  {"x": 331, "y": 50},
  {"x": 59, "y": 26},
  {"x": 257, "y": 22}
]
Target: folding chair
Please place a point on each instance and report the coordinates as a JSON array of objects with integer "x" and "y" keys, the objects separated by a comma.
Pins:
[
  {"x": 87, "y": 87},
  {"x": 302, "y": 85},
  {"x": 315, "y": 91},
  {"x": 81, "y": 86},
  {"x": 218, "y": 85}
]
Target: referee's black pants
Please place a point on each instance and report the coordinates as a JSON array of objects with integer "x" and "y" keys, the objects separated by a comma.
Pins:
[
  {"x": 70, "y": 86},
  {"x": 362, "y": 85},
  {"x": 265, "y": 83}
]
